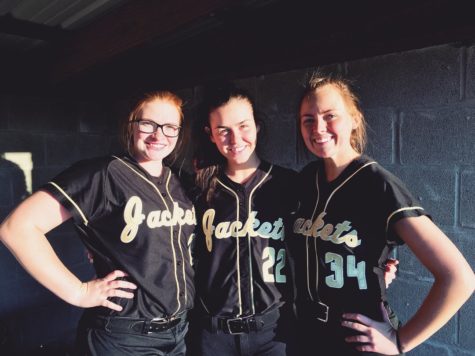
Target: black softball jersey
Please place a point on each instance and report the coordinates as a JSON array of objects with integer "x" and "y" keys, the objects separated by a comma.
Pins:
[
  {"x": 137, "y": 223},
  {"x": 243, "y": 267},
  {"x": 343, "y": 234}
]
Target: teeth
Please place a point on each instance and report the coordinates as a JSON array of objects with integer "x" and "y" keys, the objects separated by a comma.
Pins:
[
  {"x": 156, "y": 145},
  {"x": 237, "y": 149},
  {"x": 322, "y": 139}
]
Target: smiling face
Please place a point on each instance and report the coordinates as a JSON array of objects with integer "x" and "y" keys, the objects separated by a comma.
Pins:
[
  {"x": 154, "y": 147},
  {"x": 327, "y": 124},
  {"x": 233, "y": 130}
]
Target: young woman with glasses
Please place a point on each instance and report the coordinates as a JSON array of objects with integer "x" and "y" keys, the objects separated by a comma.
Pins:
[{"x": 134, "y": 217}]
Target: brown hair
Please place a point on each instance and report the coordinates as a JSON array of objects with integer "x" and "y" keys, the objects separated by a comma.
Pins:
[
  {"x": 207, "y": 159},
  {"x": 126, "y": 129},
  {"x": 318, "y": 80}
]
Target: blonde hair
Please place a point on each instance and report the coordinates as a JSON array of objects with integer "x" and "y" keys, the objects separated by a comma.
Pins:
[
  {"x": 358, "y": 135},
  {"x": 126, "y": 129}
]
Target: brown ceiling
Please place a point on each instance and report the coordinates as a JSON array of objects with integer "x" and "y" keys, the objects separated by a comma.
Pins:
[{"x": 143, "y": 44}]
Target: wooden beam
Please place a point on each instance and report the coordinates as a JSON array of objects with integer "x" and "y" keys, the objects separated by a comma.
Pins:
[
  {"x": 28, "y": 29},
  {"x": 131, "y": 26}
]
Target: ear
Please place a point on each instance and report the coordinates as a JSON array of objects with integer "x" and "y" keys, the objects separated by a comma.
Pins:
[
  {"x": 258, "y": 127},
  {"x": 208, "y": 132},
  {"x": 356, "y": 122}
]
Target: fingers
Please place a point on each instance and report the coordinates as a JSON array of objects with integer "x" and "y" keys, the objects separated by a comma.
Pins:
[
  {"x": 392, "y": 261},
  {"x": 108, "y": 304},
  {"x": 121, "y": 284},
  {"x": 98, "y": 292},
  {"x": 360, "y": 318},
  {"x": 114, "y": 275}
]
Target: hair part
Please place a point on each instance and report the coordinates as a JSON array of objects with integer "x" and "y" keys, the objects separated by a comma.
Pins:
[
  {"x": 317, "y": 80},
  {"x": 207, "y": 159},
  {"x": 126, "y": 129}
]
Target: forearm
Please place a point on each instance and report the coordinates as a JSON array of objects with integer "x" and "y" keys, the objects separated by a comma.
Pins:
[
  {"x": 33, "y": 251},
  {"x": 442, "y": 302}
]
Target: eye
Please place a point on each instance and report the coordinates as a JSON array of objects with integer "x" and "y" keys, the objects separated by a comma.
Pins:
[
  {"x": 329, "y": 117},
  {"x": 223, "y": 131},
  {"x": 146, "y": 126},
  {"x": 307, "y": 120}
]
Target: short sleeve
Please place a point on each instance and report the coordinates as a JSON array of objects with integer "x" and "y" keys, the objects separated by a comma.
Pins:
[
  {"x": 81, "y": 189},
  {"x": 399, "y": 203}
]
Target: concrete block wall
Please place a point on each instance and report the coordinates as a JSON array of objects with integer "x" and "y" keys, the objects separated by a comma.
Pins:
[
  {"x": 420, "y": 108},
  {"x": 55, "y": 132}
]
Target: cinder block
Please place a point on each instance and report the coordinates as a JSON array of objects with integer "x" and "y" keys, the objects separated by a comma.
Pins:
[
  {"x": 470, "y": 77},
  {"x": 42, "y": 176},
  {"x": 279, "y": 94},
  {"x": 10, "y": 267},
  {"x": 43, "y": 114},
  {"x": 279, "y": 142},
  {"x": 461, "y": 352},
  {"x": 467, "y": 197},
  {"x": 90, "y": 146},
  {"x": 23, "y": 141},
  {"x": 410, "y": 267},
  {"x": 380, "y": 134},
  {"x": 115, "y": 146},
  {"x": 95, "y": 117},
  {"x": 464, "y": 240},
  {"x": 425, "y": 77},
  {"x": 434, "y": 187},
  {"x": 48, "y": 329},
  {"x": 69, "y": 248},
  {"x": 406, "y": 296},
  {"x": 431, "y": 349},
  {"x": 250, "y": 85},
  {"x": 438, "y": 137},
  {"x": 4, "y": 211},
  {"x": 6, "y": 193},
  {"x": 4, "y": 111},
  {"x": 466, "y": 316},
  {"x": 61, "y": 150}
]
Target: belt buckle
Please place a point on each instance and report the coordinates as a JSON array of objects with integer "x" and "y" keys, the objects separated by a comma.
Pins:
[
  {"x": 158, "y": 325},
  {"x": 324, "y": 310},
  {"x": 236, "y": 326}
]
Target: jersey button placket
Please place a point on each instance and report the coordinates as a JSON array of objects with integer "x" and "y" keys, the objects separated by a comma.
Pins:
[{"x": 244, "y": 254}]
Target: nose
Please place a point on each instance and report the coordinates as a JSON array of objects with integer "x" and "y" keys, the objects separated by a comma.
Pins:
[
  {"x": 158, "y": 134},
  {"x": 320, "y": 124},
  {"x": 233, "y": 137}
]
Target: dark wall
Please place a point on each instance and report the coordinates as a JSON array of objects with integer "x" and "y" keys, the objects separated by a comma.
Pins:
[
  {"x": 420, "y": 106},
  {"x": 55, "y": 133}
]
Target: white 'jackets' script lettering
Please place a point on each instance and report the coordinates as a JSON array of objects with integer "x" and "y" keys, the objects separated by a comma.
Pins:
[
  {"x": 133, "y": 217},
  {"x": 252, "y": 227},
  {"x": 327, "y": 232}
]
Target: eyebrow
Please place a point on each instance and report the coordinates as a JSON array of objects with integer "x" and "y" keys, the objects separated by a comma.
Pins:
[{"x": 227, "y": 127}]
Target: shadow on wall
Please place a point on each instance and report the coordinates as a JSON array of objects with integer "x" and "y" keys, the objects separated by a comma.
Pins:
[{"x": 33, "y": 321}]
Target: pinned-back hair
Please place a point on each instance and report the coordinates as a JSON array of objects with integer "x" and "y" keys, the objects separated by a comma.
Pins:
[
  {"x": 126, "y": 129},
  {"x": 207, "y": 159},
  {"x": 318, "y": 80}
]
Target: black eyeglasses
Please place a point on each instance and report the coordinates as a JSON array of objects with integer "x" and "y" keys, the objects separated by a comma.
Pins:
[{"x": 148, "y": 126}]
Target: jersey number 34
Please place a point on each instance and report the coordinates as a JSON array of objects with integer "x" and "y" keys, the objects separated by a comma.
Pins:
[{"x": 336, "y": 262}]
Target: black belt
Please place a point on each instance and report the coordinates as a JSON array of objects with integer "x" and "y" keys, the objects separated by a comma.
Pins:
[
  {"x": 314, "y": 310},
  {"x": 241, "y": 325},
  {"x": 136, "y": 326}
]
